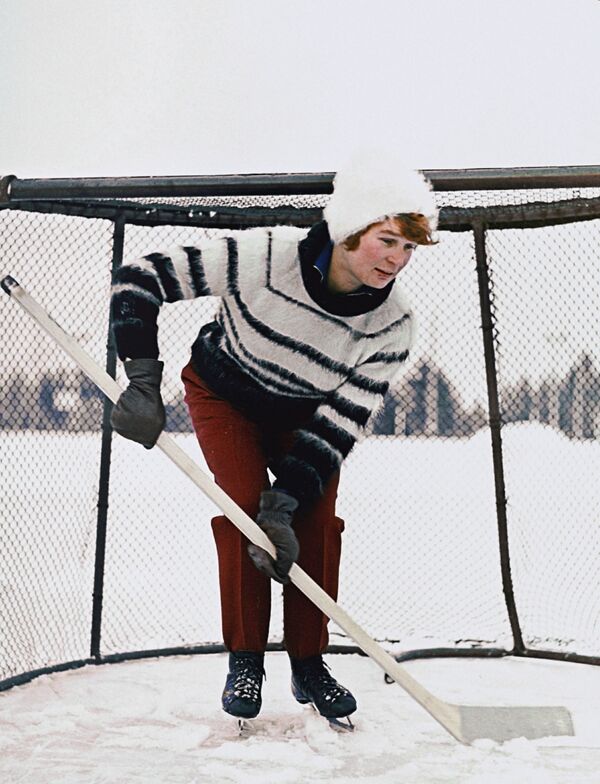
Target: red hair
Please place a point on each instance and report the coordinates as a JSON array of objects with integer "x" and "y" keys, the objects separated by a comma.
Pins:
[{"x": 414, "y": 226}]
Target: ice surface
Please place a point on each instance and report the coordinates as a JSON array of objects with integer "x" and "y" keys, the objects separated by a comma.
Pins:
[{"x": 160, "y": 720}]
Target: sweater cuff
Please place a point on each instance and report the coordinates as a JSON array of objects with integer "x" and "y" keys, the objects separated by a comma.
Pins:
[
  {"x": 298, "y": 479},
  {"x": 136, "y": 340}
]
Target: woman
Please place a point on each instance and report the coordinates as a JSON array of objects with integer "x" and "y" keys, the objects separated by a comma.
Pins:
[{"x": 310, "y": 332}]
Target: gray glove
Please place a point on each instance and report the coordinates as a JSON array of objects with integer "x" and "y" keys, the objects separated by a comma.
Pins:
[
  {"x": 139, "y": 413},
  {"x": 275, "y": 518}
]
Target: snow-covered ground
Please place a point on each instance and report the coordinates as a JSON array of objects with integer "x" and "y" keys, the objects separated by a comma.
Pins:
[{"x": 160, "y": 720}]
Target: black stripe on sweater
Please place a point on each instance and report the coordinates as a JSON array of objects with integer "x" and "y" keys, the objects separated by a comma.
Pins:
[
  {"x": 391, "y": 327},
  {"x": 269, "y": 253},
  {"x": 196, "y": 268},
  {"x": 389, "y": 357},
  {"x": 350, "y": 410},
  {"x": 366, "y": 384},
  {"x": 232, "y": 266},
  {"x": 335, "y": 435},
  {"x": 168, "y": 277},
  {"x": 138, "y": 277}
]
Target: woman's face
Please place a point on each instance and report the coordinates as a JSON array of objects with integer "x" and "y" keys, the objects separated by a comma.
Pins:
[{"x": 381, "y": 254}]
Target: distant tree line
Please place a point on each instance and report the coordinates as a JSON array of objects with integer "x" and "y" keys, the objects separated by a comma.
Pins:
[{"x": 424, "y": 403}]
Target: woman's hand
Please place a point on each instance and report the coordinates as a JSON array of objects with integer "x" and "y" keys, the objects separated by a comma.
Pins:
[
  {"x": 275, "y": 518},
  {"x": 139, "y": 413}
]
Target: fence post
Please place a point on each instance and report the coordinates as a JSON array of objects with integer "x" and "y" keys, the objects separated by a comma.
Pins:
[
  {"x": 487, "y": 326},
  {"x": 105, "y": 456}
]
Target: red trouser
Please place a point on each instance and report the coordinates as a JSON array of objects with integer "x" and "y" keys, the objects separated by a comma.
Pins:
[{"x": 235, "y": 449}]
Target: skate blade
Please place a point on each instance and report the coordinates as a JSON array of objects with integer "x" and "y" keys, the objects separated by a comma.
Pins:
[
  {"x": 245, "y": 728},
  {"x": 341, "y": 725}
]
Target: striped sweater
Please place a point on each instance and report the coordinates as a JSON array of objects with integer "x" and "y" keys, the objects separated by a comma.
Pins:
[{"x": 281, "y": 348}]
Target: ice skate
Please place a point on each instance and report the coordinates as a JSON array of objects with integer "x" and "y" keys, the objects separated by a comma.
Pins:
[
  {"x": 242, "y": 693},
  {"x": 313, "y": 684}
]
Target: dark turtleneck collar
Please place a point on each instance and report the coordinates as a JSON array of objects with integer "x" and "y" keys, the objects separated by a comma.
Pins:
[{"x": 361, "y": 301}]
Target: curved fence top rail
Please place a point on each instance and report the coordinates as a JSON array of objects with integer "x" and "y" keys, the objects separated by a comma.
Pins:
[{"x": 13, "y": 188}]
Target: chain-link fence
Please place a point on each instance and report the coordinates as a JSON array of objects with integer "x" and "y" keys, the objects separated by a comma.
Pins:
[{"x": 472, "y": 507}]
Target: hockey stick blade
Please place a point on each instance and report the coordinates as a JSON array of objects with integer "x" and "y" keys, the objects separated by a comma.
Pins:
[
  {"x": 465, "y": 722},
  {"x": 506, "y": 723}
]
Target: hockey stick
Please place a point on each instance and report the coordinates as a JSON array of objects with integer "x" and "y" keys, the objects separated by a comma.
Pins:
[{"x": 465, "y": 722}]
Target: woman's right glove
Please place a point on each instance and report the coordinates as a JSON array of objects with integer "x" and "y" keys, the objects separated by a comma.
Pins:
[
  {"x": 275, "y": 516},
  {"x": 139, "y": 413}
]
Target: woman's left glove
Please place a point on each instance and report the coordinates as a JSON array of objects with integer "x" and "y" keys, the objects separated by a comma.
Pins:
[{"x": 275, "y": 516}]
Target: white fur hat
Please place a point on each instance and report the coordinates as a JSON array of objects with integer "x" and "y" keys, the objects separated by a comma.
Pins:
[{"x": 373, "y": 186}]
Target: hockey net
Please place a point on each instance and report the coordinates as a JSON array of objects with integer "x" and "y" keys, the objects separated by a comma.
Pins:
[{"x": 467, "y": 528}]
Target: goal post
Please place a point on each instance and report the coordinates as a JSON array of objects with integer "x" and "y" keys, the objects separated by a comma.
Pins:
[{"x": 475, "y": 490}]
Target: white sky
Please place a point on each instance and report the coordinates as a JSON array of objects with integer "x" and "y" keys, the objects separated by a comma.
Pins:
[{"x": 134, "y": 87}]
